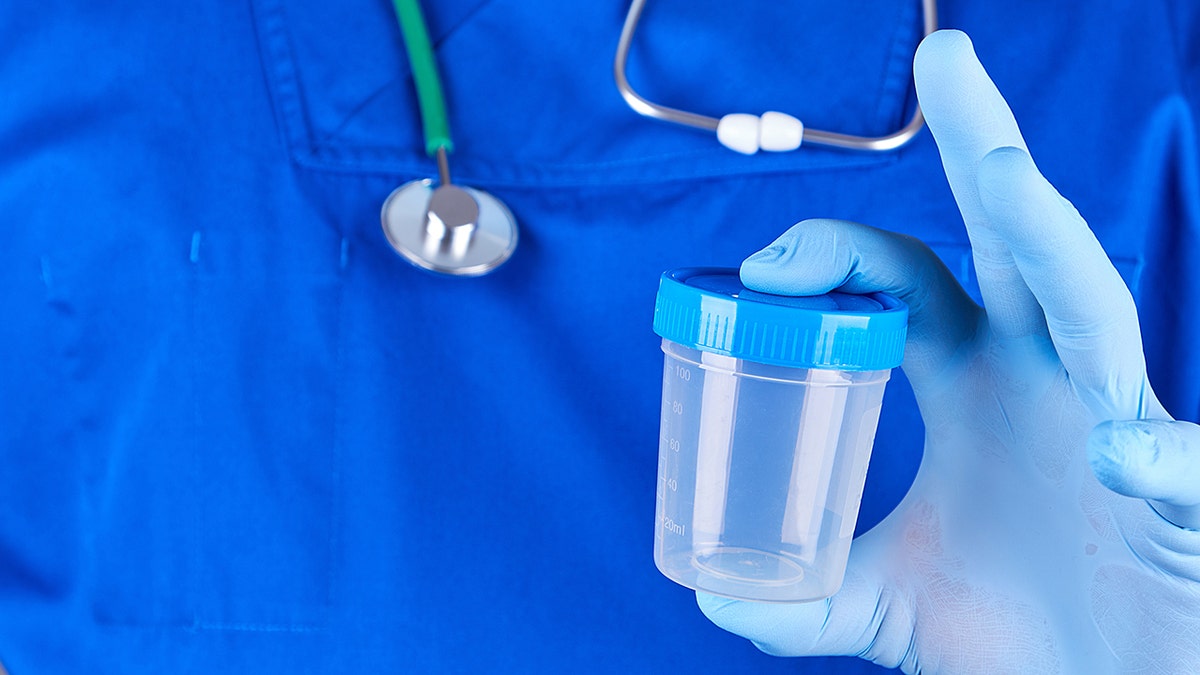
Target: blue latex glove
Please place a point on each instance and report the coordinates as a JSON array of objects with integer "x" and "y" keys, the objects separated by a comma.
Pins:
[{"x": 1008, "y": 555}]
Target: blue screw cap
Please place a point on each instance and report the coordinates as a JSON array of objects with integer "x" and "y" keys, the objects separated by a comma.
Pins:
[{"x": 708, "y": 308}]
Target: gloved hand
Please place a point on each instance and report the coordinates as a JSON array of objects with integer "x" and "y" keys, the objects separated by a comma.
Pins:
[{"x": 1009, "y": 554}]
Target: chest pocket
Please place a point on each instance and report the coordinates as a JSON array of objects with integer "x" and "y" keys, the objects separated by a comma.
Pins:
[{"x": 530, "y": 91}]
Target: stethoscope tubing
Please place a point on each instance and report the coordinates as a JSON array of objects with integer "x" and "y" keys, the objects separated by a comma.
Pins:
[{"x": 434, "y": 121}]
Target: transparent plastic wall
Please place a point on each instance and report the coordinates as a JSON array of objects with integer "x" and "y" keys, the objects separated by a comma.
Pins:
[{"x": 760, "y": 474}]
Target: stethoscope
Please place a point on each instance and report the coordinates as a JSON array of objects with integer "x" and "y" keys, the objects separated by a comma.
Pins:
[{"x": 461, "y": 231}]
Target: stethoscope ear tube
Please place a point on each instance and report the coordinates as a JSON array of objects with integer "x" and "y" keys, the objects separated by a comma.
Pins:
[{"x": 747, "y": 133}]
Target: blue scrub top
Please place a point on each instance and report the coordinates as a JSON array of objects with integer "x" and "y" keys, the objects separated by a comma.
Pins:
[{"x": 239, "y": 434}]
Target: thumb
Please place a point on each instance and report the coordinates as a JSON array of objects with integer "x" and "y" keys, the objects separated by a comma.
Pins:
[
  {"x": 1157, "y": 460},
  {"x": 850, "y": 623},
  {"x": 819, "y": 255}
]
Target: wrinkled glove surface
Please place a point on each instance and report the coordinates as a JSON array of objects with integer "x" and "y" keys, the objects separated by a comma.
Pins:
[{"x": 1052, "y": 526}]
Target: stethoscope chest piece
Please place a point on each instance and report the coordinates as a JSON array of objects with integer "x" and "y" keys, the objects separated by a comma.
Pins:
[{"x": 450, "y": 229}]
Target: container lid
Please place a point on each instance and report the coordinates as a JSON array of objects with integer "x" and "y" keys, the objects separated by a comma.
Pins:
[{"x": 708, "y": 308}]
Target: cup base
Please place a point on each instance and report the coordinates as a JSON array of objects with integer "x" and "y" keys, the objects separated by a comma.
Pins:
[
  {"x": 744, "y": 573},
  {"x": 748, "y": 565}
]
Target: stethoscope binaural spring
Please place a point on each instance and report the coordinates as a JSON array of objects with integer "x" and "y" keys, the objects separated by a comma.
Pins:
[{"x": 773, "y": 131}]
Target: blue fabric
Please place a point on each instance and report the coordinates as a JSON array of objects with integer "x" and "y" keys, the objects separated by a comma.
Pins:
[{"x": 239, "y": 434}]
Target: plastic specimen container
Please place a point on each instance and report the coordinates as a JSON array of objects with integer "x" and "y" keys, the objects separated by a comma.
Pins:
[{"x": 769, "y": 410}]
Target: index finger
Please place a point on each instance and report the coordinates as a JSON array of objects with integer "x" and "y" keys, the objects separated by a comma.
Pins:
[{"x": 969, "y": 118}]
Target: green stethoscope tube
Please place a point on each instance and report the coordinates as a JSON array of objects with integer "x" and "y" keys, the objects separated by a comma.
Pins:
[{"x": 425, "y": 77}]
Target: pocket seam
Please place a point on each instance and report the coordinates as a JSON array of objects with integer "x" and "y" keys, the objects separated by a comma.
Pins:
[{"x": 279, "y": 63}]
